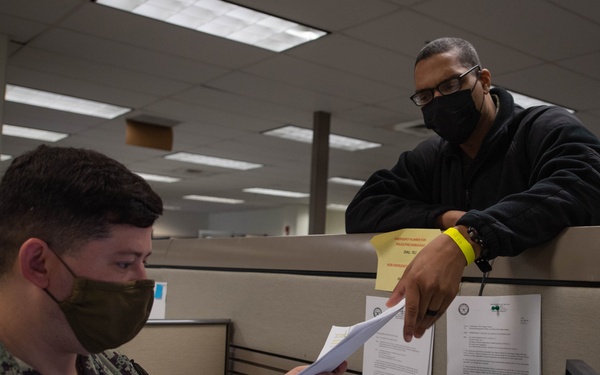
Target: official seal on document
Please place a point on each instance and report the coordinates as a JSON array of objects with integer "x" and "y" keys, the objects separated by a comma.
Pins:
[{"x": 463, "y": 309}]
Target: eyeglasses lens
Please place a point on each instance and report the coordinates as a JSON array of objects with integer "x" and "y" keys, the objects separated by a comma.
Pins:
[
  {"x": 450, "y": 86},
  {"x": 447, "y": 87}
]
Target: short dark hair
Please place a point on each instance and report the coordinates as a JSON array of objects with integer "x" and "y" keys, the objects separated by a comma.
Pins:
[
  {"x": 466, "y": 53},
  {"x": 67, "y": 197}
]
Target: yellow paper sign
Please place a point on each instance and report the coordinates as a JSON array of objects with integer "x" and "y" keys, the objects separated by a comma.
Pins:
[{"x": 395, "y": 250}]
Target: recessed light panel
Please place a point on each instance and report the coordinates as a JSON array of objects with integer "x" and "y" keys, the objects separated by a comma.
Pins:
[
  {"x": 529, "y": 101},
  {"x": 225, "y": 20},
  {"x": 206, "y": 198},
  {"x": 295, "y": 133},
  {"x": 158, "y": 178},
  {"x": 212, "y": 161},
  {"x": 277, "y": 193},
  {"x": 347, "y": 181},
  {"x": 61, "y": 102},
  {"x": 30, "y": 133}
]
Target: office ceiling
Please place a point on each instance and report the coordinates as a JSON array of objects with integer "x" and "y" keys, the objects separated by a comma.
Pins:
[{"x": 223, "y": 94}]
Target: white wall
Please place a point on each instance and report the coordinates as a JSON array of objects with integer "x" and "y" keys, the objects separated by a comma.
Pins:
[
  {"x": 335, "y": 222},
  {"x": 179, "y": 224},
  {"x": 270, "y": 222}
]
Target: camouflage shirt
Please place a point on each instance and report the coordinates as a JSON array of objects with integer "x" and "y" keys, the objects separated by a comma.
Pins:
[{"x": 109, "y": 362}]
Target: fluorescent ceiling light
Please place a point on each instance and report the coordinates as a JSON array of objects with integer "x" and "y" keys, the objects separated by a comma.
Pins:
[
  {"x": 299, "y": 134},
  {"x": 30, "y": 133},
  {"x": 347, "y": 181},
  {"x": 212, "y": 161},
  {"x": 64, "y": 103},
  {"x": 157, "y": 178},
  {"x": 213, "y": 199},
  {"x": 278, "y": 193},
  {"x": 337, "y": 207},
  {"x": 171, "y": 208},
  {"x": 223, "y": 19},
  {"x": 4, "y": 157},
  {"x": 528, "y": 101}
]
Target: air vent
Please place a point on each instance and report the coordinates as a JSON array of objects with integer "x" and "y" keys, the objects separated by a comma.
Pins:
[{"x": 416, "y": 128}]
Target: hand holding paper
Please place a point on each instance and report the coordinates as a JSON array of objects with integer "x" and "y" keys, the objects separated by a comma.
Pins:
[
  {"x": 343, "y": 341},
  {"x": 429, "y": 284}
]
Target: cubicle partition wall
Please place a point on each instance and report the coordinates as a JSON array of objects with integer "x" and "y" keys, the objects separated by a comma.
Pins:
[
  {"x": 182, "y": 346},
  {"x": 283, "y": 294}
]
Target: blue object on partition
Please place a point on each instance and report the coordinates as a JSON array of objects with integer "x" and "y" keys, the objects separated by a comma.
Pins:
[{"x": 158, "y": 291}]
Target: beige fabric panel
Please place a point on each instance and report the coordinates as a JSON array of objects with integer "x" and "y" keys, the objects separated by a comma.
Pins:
[
  {"x": 289, "y": 315},
  {"x": 331, "y": 253},
  {"x": 180, "y": 349},
  {"x": 569, "y": 257}
]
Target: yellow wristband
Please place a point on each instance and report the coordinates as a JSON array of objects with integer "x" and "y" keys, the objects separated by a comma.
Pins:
[{"x": 462, "y": 242}]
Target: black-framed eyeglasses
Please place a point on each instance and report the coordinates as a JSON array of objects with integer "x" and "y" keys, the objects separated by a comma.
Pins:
[{"x": 447, "y": 87}]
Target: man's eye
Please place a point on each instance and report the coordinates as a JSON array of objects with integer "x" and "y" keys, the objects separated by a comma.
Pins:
[
  {"x": 124, "y": 265},
  {"x": 450, "y": 86}
]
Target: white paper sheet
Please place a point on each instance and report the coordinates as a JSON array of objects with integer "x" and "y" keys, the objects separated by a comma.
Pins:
[
  {"x": 387, "y": 352},
  {"x": 343, "y": 341},
  {"x": 494, "y": 335}
]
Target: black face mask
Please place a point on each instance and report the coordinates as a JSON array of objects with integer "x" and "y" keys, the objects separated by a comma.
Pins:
[{"x": 453, "y": 117}]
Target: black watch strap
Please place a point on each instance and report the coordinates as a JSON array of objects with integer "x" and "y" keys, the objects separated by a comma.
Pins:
[
  {"x": 483, "y": 265},
  {"x": 481, "y": 262}
]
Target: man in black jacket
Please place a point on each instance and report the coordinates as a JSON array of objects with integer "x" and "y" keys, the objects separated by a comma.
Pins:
[{"x": 498, "y": 179}]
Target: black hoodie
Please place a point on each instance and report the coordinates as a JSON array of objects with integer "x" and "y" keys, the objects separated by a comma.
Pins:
[{"x": 537, "y": 172}]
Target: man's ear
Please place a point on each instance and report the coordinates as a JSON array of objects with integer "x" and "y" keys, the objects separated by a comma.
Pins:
[
  {"x": 486, "y": 80},
  {"x": 33, "y": 261}
]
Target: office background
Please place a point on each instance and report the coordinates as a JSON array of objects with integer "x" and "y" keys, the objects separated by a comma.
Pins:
[{"x": 219, "y": 96}]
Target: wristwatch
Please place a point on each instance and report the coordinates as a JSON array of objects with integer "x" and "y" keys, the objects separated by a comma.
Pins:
[{"x": 482, "y": 261}]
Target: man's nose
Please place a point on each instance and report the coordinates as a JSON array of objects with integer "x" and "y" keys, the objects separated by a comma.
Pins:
[{"x": 140, "y": 272}]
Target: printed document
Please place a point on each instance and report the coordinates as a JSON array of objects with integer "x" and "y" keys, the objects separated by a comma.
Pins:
[
  {"x": 387, "y": 353},
  {"x": 494, "y": 335},
  {"x": 342, "y": 342}
]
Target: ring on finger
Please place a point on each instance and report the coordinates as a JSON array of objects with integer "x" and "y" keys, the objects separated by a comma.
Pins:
[{"x": 431, "y": 312}]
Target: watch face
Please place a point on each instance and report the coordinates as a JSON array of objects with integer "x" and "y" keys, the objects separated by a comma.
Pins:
[{"x": 463, "y": 309}]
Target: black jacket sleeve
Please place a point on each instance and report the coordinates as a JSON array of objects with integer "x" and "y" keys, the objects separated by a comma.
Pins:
[
  {"x": 399, "y": 197},
  {"x": 564, "y": 185}
]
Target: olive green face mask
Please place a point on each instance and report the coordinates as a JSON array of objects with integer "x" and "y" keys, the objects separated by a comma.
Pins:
[{"x": 105, "y": 315}]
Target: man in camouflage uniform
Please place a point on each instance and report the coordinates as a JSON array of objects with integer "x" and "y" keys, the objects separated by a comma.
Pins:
[{"x": 75, "y": 234}]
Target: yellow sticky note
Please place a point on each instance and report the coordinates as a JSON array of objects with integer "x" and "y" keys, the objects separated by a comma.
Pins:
[{"x": 395, "y": 250}]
